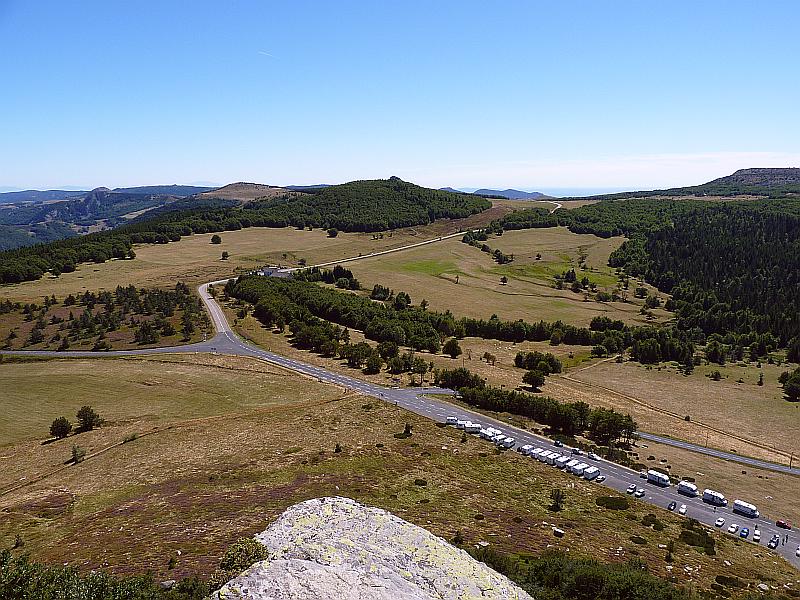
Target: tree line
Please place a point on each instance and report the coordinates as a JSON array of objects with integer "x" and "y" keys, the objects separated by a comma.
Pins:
[
  {"x": 397, "y": 320},
  {"x": 731, "y": 268},
  {"x": 605, "y": 426}
]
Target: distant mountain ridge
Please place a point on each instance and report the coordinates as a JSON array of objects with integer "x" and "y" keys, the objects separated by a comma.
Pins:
[
  {"x": 769, "y": 182},
  {"x": 510, "y": 193},
  {"x": 37, "y": 196},
  {"x": 766, "y": 177}
]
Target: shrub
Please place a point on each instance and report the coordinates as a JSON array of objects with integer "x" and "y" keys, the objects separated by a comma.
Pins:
[
  {"x": 637, "y": 539},
  {"x": 60, "y": 428},
  {"x": 78, "y": 454},
  {"x": 613, "y": 502},
  {"x": 215, "y": 239},
  {"x": 242, "y": 554},
  {"x": 420, "y": 482},
  {"x": 88, "y": 419}
]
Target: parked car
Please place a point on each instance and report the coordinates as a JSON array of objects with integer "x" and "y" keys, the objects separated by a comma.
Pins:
[
  {"x": 558, "y": 443},
  {"x": 682, "y": 509},
  {"x": 600, "y": 478},
  {"x": 756, "y": 535},
  {"x": 773, "y": 543},
  {"x": 744, "y": 532},
  {"x": 577, "y": 451},
  {"x": 672, "y": 505},
  {"x": 719, "y": 522},
  {"x": 643, "y": 474},
  {"x": 593, "y": 456},
  {"x": 733, "y": 528},
  {"x": 783, "y": 524},
  {"x": 631, "y": 488},
  {"x": 639, "y": 493},
  {"x": 797, "y": 552}
]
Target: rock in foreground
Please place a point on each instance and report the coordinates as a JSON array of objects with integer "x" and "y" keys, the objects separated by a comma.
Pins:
[{"x": 337, "y": 548}]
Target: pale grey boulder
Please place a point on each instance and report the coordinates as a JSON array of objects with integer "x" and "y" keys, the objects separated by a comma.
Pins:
[{"x": 337, "y": 548}]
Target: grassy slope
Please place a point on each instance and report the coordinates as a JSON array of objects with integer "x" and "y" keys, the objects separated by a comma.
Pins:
[
  {"x": 196, "y": 485},
  {"x": 430, "y": 271}
]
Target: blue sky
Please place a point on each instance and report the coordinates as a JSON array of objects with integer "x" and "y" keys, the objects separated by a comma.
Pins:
[{"x": 535, "y": 95}]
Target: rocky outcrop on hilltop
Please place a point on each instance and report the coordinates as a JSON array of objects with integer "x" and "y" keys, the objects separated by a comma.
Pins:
[{"x": 337, "y": 548}]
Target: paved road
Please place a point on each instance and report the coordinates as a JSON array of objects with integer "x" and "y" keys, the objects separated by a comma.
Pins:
[
  {"x": 746, "y": 460},
  {"x": 418, "y": 400}
]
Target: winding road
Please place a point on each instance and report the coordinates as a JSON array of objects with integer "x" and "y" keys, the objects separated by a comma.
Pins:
[{"x": 418, "y": 400}]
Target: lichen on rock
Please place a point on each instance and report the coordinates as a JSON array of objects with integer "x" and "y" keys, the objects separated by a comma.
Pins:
[{"x": 337, "y": 548}]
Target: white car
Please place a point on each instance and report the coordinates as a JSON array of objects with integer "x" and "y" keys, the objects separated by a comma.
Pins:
[
  {"x": 797, "y": 552},
  {"x": 757, "y": 535},
  {"x": 682, "y": 509},
  {"x": 600, "y": 478},
  {"x": 719, "y": 522},
  {"x": 639, "y": 493},
  {"x": 593, "y": 456},
  {"x": 733, "y": 528}
]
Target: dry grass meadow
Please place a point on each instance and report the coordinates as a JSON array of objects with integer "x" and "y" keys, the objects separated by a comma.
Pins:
[
  {"x": 641, "y": 395},
  {"x": 201, "y": 475},
  {"x": 430, "y": 272},
  {"x": 194, "y": 260}
]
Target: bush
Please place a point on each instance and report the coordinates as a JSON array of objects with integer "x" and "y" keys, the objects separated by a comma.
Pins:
[
  {"x": 215, "y": 239},
  {"x": 88, "y": 419},
  {"x": 637, "y": 539},
  {"x": 242, "y": 554},
  {"x": 78, "y": 454},
  {"x": 613, "y": 502},
  {"x": 420, "y": 482},
  {"x": 60, "y": 428},
  {"x": 333, "y": 232}
]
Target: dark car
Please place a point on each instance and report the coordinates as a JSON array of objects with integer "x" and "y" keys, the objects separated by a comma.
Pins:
[
  {"x": 773, "y": 543},
  {"x": 558, "y": 443},
  {"x": 783, "y": 524},
  {"x": 672, "y": 505}
]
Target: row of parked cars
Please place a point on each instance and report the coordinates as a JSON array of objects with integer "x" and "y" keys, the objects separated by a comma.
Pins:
[{"x": 568, "y": 459}]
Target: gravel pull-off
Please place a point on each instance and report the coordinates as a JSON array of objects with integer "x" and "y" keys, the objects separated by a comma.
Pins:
[{"x": 337, "y": 548}]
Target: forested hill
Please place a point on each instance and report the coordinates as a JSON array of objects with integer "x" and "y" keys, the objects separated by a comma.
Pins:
[
  {"x": 733, "y": 268},
  {"x": 374, "y": 205},
  {"x": 767, "y": 182}
]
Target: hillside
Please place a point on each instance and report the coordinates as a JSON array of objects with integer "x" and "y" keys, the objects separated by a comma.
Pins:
[
  {"x": 38, "y": 196},
  {"x": 244, "y": 192},
  {"x": 761, "y": 182},
  {"x": 164, "y": 190},
  {"x": 44, "y": 221},
  {"x": 358, "y": 206}
]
